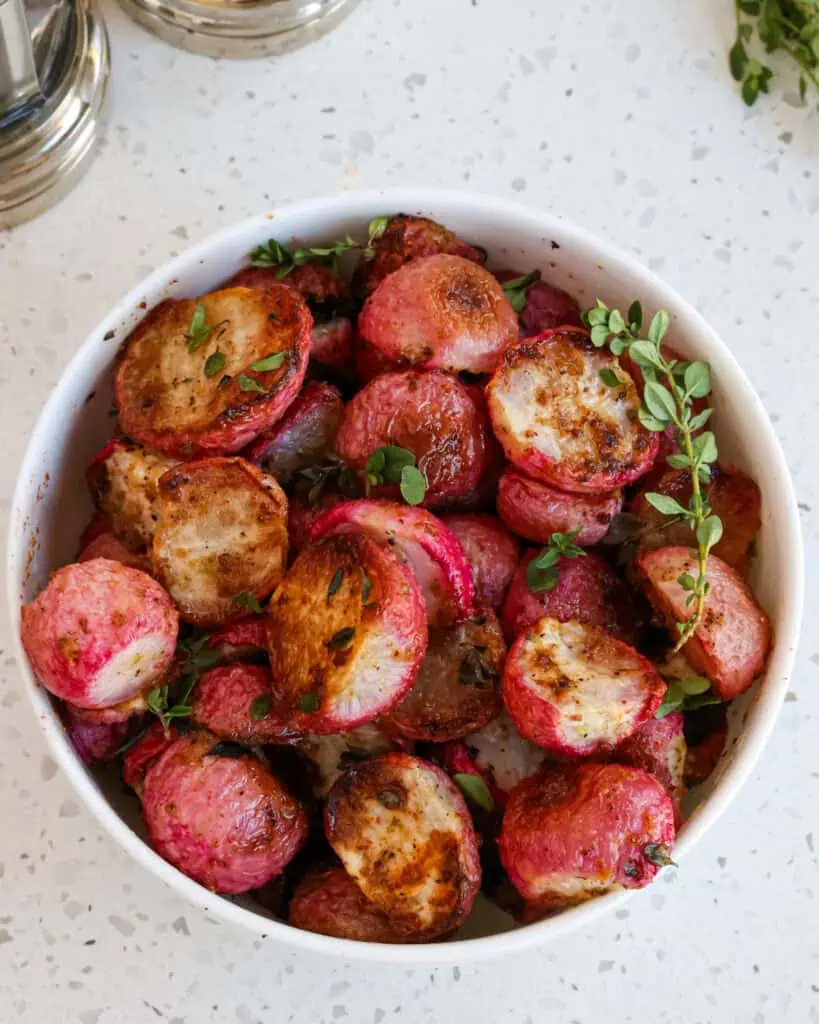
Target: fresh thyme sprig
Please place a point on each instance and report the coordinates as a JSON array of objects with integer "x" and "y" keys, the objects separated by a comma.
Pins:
[
  {"x": 671, "y": 386},
  {"x": 173, "y": 700},
  {"x": 274, "y": 254},
  {"x": 788, "y": 25},
  {"x": 542, "y": 573}
]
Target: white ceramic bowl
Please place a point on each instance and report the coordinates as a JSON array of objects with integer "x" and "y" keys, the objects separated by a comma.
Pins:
[{"x": 51, "y": 506}]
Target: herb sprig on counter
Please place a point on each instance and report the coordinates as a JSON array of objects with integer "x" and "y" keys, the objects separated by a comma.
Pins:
[
  {"x": 791, "y": 26},
  {"x": 670, "y": 390}
]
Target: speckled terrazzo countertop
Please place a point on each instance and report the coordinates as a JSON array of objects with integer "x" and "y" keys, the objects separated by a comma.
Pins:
[{"x": 618, "y": 115}]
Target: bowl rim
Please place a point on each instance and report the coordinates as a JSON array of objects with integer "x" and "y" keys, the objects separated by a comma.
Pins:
[{"x": 768, "y": 702}]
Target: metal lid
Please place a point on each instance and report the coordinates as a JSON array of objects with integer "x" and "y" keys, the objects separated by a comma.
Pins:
[
  {"x": 47, "y": 143},
  {"x": 238, "y": 28}
]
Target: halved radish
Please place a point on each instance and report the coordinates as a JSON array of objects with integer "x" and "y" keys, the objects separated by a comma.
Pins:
[
  {"x": 346, "y": 632},
  {"x": 587, "y": 590},
  {"x": 492, "y": 551},
  {"x": 430, "y": 548},
  {"x": 332, "y": 755},
  {"x": 731, "y": 644},
  {"x": 409, "y": 238},
  {"x": 221, "y": 539},
  {"x": 440, "y": 312},
  {"x": 124, "y": 483},
  {"x": 99, "y": 633},
  {"x": 577, "y": 831},
  {"x": 239, "y": 640},
  {"x": 560, "y": 422},
  {"x": 235, "y": 702},
  {"x": 303, "y": 435},
  {"x": 328, "y": 901},
  {"x": 732, "y": 495},
  {"x": 658, "y": 747},
  {"x": 431, "y": 415},
  {"x": 189, "y": 385},
  {"x": 535, "y": 510},
  {"x": 573, "y": 689},
  {"x": 502, "y": 755},
  {"x": 402, "y": 830},
  {"x": 457, "y": 689},
  {"x": 317, "y": 284}
]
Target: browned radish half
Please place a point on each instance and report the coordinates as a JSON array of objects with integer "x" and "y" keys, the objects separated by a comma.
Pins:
[
  {"x": 502, "y": 755},
  {"x": 573, "y": 689},
  {"x": 577, "y": 831},
  {"x": 658, "y": 747},
  {"x": 347, "y": 631},
  {"x": 106, "y": 545},
  {"x": 99, "y": 633},
  {"x": 235, "y": 702},
  {"x": 124, "y": 483},
  {"x": 535, "y": 510},
  {"x": 303, "y": 435},
  {"x": 457, "y": 689},
  {"x": 221, "y": 541},
  {"x": 493, "y": 553},
  {"x": 403, "y": 832},
  {"x": 206, "y": 376},
  {"x": 224, "y": 820},
  {"x": 587, "y": 590},
  {"x": 332, "y": 755},
  {"x": 732, "y": 495},
  {"x": 329, "y": 902},
  {"x": 730, "y": 645},
  {"x": 560, "y": 422},
  {"x": 409, "y": 238},
  {"x": 440, "y": 312},
  {"x": 318, "y": 285},
  {"x": 431, "y": 415},
  {"x": 430, "y": 548},
  {"x": 239, "y": 640}
]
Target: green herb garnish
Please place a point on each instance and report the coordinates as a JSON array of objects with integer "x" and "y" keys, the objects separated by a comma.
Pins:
[
  {"x": 335, "y": 583},
  {"x": 274, "y": 254},
  {"x": 340, "y": 639},
  {"x": 309, "y": 702},
  {"x": 658, "y": 854},
  {"x": 517, "y": 288},
  {"x": 271, "y": 362},
  {"x": 260, "y": 707},
  {"x": 791, "y": 26},
  {"x": 687, "y": 694},
  {"x": 172, "y": 700},
  {"x": 249, "y": 384},
  {"x": 474, "y": 789},
  {"x": 198, "y": 329},
  {"x": 249, "y": 601},
  {"x": 215, "y": 363},
  {"x": 393, "y": 465},
  {"x": 542, "y": 573}
]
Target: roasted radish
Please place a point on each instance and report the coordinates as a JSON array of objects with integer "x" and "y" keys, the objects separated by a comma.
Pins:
[
  {"x": 332, "y": 755},
  {"x": 329, "y": 902},
  {"x": 208, "y": 376},
  {"x": 221, "y": 541},
  {"x": 535, "y": 510},
  {"x": 106, "y": 545},
  {"x": 730, "y": 645},
  {"x": 141, "y": 755},
  {"x": 94, "y": 741},
  {"x": 99, "y": 633},
  {"x": 573, "y": 689},
  {"x": 243, "y": 639},
  {"x": 304, "y": 435},
  {"x": 403, "y": 832},
  {"x": 219, "y": 816},
  {"x": 432, "y": 416},
  {"x": 432, "y": 551},
  {"x": 577, "y": 831},
  {"x": 301, "y": 515},
  {"x": 457, "y": 689},
  {"x": 235, "y": 702},
  {"x": 503, "y": 757},
  {"x": 560, "y": 422},
  {"x": 347, "y": 631},
  {"x": 658, "y": 747},
  {"x": 492, "y": 552}
]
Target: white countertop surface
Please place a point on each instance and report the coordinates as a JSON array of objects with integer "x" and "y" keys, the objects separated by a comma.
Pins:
[{"x": 618, "y": 115}]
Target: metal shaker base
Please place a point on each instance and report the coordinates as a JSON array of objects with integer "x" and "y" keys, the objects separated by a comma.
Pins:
[
  {"x": 43, "y": 155},
  {"x": 232, "y": 28}
]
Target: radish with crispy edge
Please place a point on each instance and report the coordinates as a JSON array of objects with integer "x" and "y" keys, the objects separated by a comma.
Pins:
[
  {"x": 124, "y": 483},
  {"x": 99, "y": 633},
  {"x": 207, "y": 376},
  {"x": 430, "y": 548},
  {"x": 457, "y": 689},
  {"x": 577, "y": 831},
  {"x": 493, "y": 553},
  {"x": 440, "y": 312},
  {"x": 587, "y": 590},
  {"x": 431, "y": 415},
  {"x": 305, "y": 433},
  {"x": 535, "y": 510},
  {"x": 235, "y": 702},
  {"x": 221, "y": 539},
  {"x": 730, "y": 645},
  {"x": 560, "y": 422},
  {"x": 402, "y": 830},
  {"x": 347, "y": 631},
  {"x": 573, "y": 689},
  {"x": 219, "y": 816},
  {"x": 329, "y": 902},
  {"x": 658, "y": 747}
]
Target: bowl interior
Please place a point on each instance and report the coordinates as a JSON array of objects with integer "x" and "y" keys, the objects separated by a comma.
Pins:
[{"x": 51, "y": 505}]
